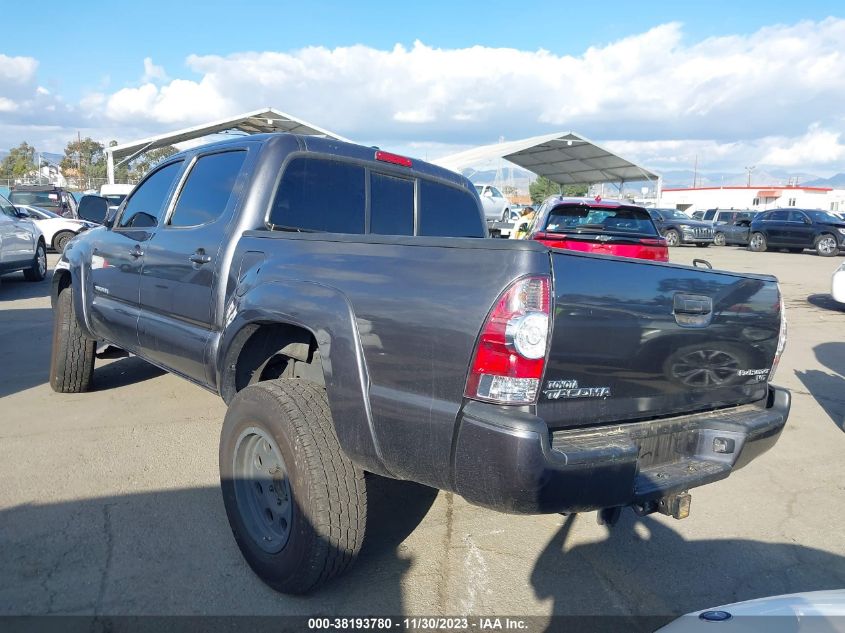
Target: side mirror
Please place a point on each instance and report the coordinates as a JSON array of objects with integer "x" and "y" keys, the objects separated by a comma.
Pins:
[
  {"x": 21, "y": 214},
  {"x": 807, "y": 220}
]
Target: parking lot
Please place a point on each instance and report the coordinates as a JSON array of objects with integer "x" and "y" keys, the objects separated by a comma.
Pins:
[{"x": 109, "y": 501}]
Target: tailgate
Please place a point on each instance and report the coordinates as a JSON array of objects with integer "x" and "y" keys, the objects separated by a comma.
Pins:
[{"x": 633, "y": 340}]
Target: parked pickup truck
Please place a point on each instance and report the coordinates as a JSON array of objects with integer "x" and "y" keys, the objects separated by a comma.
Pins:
[{"x": 347, "y": 306}]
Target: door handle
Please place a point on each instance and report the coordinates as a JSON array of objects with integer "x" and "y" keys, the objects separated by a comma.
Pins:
[
  {"x": 136, "y": 252},
  {"x": 199, "y": 257}
]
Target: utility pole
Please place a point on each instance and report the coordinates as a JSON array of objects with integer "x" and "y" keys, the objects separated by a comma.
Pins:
[
  {"x": 695, "y": 172},
  {"x": 749, "y": 169}
]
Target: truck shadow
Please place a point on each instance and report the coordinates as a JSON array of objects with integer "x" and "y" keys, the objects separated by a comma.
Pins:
[
  {"x": 644, "y": 568},
  {"x": 172, "y": 552},
  {"x": 828, "y": 387}
]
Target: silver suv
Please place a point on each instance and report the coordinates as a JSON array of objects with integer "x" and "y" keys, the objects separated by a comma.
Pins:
[{"x": 22, "y": 245}]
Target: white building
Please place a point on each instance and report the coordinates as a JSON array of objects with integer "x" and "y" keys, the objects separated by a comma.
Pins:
[{"x": 757, "y": 197}]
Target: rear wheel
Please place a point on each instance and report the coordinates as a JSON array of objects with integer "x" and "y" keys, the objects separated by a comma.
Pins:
[
  {"x": 72, "y": 357},
  {"x": 295, "y": 502},
  {"x": 61, "y": 240},
  {"x": 826, "y": 245},
  {"x": 757, "y": 243},
  {"x": 719, "y": 239},
  {"x": 673, "y": 238},
  {"x": 39, "y": 264}
]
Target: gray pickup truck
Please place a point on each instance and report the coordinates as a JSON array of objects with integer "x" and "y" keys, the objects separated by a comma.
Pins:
[{"x": 347, "y": 306}]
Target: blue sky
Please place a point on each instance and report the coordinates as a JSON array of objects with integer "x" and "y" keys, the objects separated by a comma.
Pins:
[
  {"x": 727, "y": 82},
  {"x": 94, "y": 40}
]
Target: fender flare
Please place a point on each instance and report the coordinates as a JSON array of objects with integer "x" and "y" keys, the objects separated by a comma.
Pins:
[{"x": 327, "y": 314}]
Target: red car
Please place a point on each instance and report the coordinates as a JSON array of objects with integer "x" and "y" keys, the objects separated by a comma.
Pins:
[{"x": 607, "y": 227}]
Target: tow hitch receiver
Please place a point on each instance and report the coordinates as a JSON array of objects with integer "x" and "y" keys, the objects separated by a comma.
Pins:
[{"x": 675, "y": 505}]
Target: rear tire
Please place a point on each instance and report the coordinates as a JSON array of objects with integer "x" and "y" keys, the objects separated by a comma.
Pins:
[
  {"x": 72, "y": 357},
  {"x": 757, "y": 243},
  {"x": 302, "y": 521},
  {"x": 38, "y": 271},
  {"x": 61, "y": 240},
  {"x": 826, "y": 245}
]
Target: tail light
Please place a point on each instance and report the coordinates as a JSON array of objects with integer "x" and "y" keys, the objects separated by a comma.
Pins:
[
  {"x": 511, "y": 351},
  {"x": 781, "y": 339}
]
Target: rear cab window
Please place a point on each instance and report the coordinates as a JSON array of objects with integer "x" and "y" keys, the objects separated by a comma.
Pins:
[
  {"x": 337, "y": 196},
  {"x": 579, "y": 218}
]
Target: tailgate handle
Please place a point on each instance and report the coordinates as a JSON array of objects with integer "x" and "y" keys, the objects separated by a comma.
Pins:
[{"x": 692, "y": 310}]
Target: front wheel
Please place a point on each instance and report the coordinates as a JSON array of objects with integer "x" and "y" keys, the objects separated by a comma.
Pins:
[
  {"x": 295, "y": 502},
  {"x": 673, "y": 238},
  {"x": 61, "y": 240},
  {"x": 757, "y": 243},
  {"x": 39, "y": 264},
  {"x": 72, "y": 356},
  {"x": 826, "y": 245},
  {"x": 719, "y": 239}
]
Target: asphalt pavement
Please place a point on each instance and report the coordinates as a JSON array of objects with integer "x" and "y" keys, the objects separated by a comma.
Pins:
[{"x": 109, "y": 502}]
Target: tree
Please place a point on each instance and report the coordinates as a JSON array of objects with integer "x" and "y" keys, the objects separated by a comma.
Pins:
[
  {"x": 19, "y": 162},
  {"x": 146, "y": 161},
  {"x": 542, "y": 188},
  {"x": 84, "y": 162}
]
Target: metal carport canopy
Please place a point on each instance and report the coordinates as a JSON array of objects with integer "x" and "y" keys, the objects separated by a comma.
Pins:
[
  {"x": 566, "y": 158},
  {"x": 256, "y": 122}
]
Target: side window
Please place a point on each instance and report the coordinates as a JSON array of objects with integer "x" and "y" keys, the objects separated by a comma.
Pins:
[
  {"x": 206, "y": 192},
  {"x": 7, "y": 208},
  {"x": 391, "y": 205},
  {"x": 797, "y": 216},
  {"x": 778, "y": 216},
  {"x": 144, "y": 208},
  {"x": 448, "y": 212},
  {"x": 316, "y": 194},
  {"x": 710, "y": 214},
  {"x": 496, "y": 192}
]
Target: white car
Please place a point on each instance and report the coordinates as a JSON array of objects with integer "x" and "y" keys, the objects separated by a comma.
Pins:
[
  {"x": 837, "y": 285},
  {"x": 22, "y": 246},
  {"x": 811, "y": 612},
  {"x": 57, "y": 230},
  {"x": 496, "y": 206}
]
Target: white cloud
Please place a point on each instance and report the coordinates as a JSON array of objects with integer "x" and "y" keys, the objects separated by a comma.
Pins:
[
  {"x": 17, "y": 69},
  {"x": 817, "y": 146},
  {"x": 772, "y": 96},
  {"x": 152, "y": 72}
]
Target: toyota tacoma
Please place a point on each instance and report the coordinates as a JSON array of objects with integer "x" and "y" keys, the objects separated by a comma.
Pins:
[{"x": 347, "y": 306}]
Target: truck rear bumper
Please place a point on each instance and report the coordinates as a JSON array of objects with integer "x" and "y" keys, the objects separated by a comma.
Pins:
[{"x": 509, "y": 460}]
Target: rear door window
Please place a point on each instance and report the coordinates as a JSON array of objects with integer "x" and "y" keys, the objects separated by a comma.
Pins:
[
  {"x": 391, "y": 205},
  {"x": 144, "y": 208},
  {"x": 778, "y": 216},
  {"x": 447, "y": 211},
  {"x": 317, "y": 194},
  {"x": 208, "y": 188}
]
